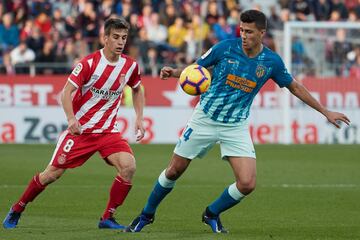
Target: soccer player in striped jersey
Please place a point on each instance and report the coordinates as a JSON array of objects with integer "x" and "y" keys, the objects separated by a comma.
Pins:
[
  {"x": 240, "y": 68},
  {"x": 91, "y": 99}
]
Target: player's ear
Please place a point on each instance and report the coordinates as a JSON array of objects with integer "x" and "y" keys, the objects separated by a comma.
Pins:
[{"x": 263, "y": 32}]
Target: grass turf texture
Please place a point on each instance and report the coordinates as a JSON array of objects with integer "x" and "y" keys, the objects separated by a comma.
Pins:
[{"x": 303, "y": 192}]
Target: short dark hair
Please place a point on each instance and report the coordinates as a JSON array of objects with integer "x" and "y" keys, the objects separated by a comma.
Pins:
[
  {"x": 254, "y": 16},
  {"x": 115, "y": 23}
]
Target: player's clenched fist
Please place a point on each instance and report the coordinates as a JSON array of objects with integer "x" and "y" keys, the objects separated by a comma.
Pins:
[
  {"x": 74, "y": 126},
  {"x": 166, "y": 72}
]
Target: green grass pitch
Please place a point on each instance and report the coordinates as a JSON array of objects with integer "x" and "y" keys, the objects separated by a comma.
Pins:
[{"x": 303, "y": 192}]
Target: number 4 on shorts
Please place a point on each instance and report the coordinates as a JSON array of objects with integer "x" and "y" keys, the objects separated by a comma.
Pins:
[{"x": 187, "y": 133}]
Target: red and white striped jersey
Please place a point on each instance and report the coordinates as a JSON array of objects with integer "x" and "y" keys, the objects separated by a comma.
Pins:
[{"x": 100, "y": 84}]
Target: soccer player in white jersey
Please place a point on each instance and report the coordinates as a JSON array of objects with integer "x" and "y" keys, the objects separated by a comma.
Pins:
[
  {"x": 97, "y": 83},
  {"x": 240, "y": 68}
]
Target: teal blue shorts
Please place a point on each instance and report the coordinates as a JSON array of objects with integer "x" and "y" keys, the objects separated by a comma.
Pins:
[{"x": 202, "y": 133}]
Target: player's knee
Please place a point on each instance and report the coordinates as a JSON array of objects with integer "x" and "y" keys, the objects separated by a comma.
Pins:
[
  {"x": 48, "y": 177},
  {"x": 128, "y": 170},
  {"x": 246, "y": 186},
  {"x": 172, "y": 173}
]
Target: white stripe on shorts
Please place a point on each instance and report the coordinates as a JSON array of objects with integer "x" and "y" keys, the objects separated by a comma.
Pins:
[{"x": 61, "y": 139}]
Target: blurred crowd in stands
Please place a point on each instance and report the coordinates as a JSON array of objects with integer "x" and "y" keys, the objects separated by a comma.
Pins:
[{"x": 55, "y": 34}]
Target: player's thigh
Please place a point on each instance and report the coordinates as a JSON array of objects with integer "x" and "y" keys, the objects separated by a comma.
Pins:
[
  {"x": 244, "y": 169},
  {"x": 122, "y": 161},
  {"x": 73, "y": 150},
  {"x": 115, "y": 150},
  {"x": 236, "y": 141},
  {"x": 196, "y": 140},
  {"x": 50, "y": 174}
]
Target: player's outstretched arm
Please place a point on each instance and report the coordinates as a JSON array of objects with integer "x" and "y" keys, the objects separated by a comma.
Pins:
[
  {"x": 139, "y": 101},
  {"x": 167, "y": 72},
  {"x": 304, "y": 95},
  {"x": 74, "y": 126}
]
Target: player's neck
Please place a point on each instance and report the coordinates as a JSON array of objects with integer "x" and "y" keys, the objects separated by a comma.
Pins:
[
  {"x": 254, "y": 51},
  {"x": 110, "y": 56}
]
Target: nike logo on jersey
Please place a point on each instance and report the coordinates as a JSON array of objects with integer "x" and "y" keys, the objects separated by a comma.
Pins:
[{"x": 231, "y": 61}]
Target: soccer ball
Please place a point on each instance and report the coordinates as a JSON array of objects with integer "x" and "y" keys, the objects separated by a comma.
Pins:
[{"x": 195, "y": 80}]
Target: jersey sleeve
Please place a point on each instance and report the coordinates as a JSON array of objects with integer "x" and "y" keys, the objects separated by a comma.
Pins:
[
  {"x": 281, "y": 75},
  {"x": 80, "y": 74},
  {"x": 135, "y": 78},
  {"x": 211, "y": 56}
]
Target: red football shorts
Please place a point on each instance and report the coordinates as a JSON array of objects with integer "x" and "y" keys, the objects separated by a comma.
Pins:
[{"x": 74, "y": 150}]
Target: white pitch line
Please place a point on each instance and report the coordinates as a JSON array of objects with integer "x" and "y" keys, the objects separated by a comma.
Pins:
[{"x": 284, "y": 185}]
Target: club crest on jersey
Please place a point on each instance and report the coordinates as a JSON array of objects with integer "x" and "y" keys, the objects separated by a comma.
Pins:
[
  {"x": 62, "y": 158},
  {"x": 260, "y": 71},
  {"x": 77, "y": 69}
]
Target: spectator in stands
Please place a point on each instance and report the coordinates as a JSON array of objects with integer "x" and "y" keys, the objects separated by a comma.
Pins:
[
  {"x": 87, "y": 22},
  {"x": 357, "y": 9},
  {"x": 335, "y": 16},
  {"x": 48, "y": 56},
  {"x": 9, "y": 33},
  {"x": 36, "y": 40},
  {"x": 338, "y": 5},
  {"x": 43, "y": 22},
  {"x": 7, "y": 64},
  {"x": 222, "y": 30},
  {"x": 200, "y": 27},
  {"x": 353, "y": 16},
  {"x": 20, "y": 8},
  {"x": 27, "y": 30},
  {"x": 188, "y": 11},
  {"x": 78, "y": 20},
  {"x": 302, "y": 10},
  {"x": 144, "y": 18},
  {"x": 21, "y": 55},
  {"x": 234, "y": 21},
  {"x": 323, "y": 10},
  {"x": 191, "y": 47},
  {"x": 168, "y": 15},
  {"x": 81, "y": 45},
  {"x": 134, "y": 28},
  {"x": 198, "y": 32},
  {"x": 212, "y": 13},
  {"x": 144, "y": 46},
  {"x": 71, "y": 54},
  {"x": 354, "y": 71},
  {"x": 40, "y": 6},
  {"x": 297, "y": 51},
  {"x": 64, "y": 6},
  {"x": 58, "y": 22},
  {"x": 106, "y": 8},
  {"x": 177, "y": 33},
  {"x": 284, "y": 16},
  {"x": 157, "y": 32},
  {"x": 338, "y": 51},
  {"x": 70, "y": 26},
  {"x": 274, "y": 20}
]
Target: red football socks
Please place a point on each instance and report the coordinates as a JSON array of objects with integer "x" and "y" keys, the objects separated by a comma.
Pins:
[
  {"x": 118, "y": 192},
  {"x": 33, "y": 189}
]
